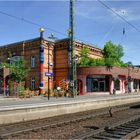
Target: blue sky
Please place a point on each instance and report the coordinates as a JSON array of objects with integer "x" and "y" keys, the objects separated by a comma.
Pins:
[{"x": 94, "y": 23}]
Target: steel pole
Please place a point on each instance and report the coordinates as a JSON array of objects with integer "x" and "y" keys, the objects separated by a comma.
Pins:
[
  {"x": 71, "y": 54},
  {"x": 48, "y": 71}
]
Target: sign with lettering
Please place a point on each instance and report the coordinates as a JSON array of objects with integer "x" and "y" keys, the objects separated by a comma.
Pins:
[{"x": 49, "y": 74}]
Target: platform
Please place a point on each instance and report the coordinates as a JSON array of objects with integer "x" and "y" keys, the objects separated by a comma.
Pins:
[{"x": 17, "y": 110}]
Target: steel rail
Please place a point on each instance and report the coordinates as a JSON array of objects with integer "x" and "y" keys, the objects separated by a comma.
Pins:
[
  {"x": 126, "y": 129},
  {"x": 8, "y": 132}
]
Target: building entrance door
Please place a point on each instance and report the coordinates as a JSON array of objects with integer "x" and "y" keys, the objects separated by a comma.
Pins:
[
  {"x": 101, "y": 85},
  {"x": 79, "y": 87}
]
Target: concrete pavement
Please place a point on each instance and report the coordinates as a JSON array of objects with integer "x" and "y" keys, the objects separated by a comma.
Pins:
[
  {"x": 10, "y": 101},
  {"x": 16, "y": 110}
]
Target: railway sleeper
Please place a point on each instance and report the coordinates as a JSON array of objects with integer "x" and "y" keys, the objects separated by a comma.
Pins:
[
  {"x": 117, "y": 132},
  {"x": 136, "y": 127},
  {"x": 126, "y": 128},
  {"x": 126, "y": 131},
  {"x": 132, "y": 135},
  {"x": 111, "y": 135},
  {"x": 132, "y": 126},
  {"x": 122, "y": 131},
  {"x": 101, "y": 138},
  {"x": 136, "y": 123}
]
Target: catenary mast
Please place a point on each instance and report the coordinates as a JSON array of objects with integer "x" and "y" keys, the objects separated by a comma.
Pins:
[{"x": 72, "y": 65}]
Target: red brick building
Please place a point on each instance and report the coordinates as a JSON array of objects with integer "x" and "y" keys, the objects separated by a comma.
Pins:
[
  {"x": 37, "y": 52},
  {"x": 48, "y": 56}
]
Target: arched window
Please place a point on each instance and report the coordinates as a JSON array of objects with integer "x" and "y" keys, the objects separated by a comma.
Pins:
[
  {"x": 33, "y": 83},
  {"x": 32, "y": 62}
]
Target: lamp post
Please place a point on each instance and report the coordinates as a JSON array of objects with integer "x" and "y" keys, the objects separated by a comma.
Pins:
[
  {"x": 48, "y": 71},
  {"x": 41, "y": 60},
  {"x": 128, "y": 78},
  {"x": 41, "y": 30},
  {"x": 50, "y": 64}
]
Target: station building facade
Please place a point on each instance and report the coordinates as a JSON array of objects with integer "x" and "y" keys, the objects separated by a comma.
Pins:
[
  {"x": 49, "y": 56},
  {"x": 42, "y": 57},
  {"x": 35, "y": 54},
  {"x": 103, "y": 80}
]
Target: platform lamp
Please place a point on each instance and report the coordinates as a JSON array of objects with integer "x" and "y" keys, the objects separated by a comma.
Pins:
[
  {"x": 50, "y": 64},
  {"x": 41, "y": 30},
  {"x": 48, "y": 71},
  {"x": 41, "y": 60}
]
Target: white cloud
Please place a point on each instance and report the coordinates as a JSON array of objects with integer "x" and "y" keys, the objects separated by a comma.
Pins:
[
  {"x": 90, "y": 11},
  {"x": 84, "y": 11},
  {"x": 126, "y": 13},
  {"x": 94, "y": 11}
]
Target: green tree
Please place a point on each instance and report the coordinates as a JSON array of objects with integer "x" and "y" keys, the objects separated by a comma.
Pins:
[
  {"x": 17, "y": 70},
  {"x": 113, "y": 54},
  {"x": 100, "y": 62},
  {"x": 92, "y": 62},
  {"x": 84, "y": 58},
  {"x": 97, "y": 62}
]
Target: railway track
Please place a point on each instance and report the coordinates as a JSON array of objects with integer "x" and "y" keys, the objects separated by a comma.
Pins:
[
  {"x": 24, "y": 127},
  {"x": 127, "y": 129}
]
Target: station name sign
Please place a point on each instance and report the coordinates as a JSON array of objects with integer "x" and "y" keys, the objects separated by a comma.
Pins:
[{"x": 49, "y": 74}]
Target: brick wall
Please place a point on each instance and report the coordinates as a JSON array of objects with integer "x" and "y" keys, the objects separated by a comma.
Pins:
[
  {"x": 58, "y": 55},
  {"x": 61, "y": 57}
]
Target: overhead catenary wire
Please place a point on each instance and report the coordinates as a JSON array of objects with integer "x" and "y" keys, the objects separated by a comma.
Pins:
[
  {"x": 64, "y": 34},
  {"x": 33, "y": 23},
  {"x": 39, "y": 25},
  {"x": 125, "y": 20},
  {"x": 30, "y": 22}
]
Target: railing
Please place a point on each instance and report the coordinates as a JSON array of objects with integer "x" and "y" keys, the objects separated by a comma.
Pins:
[{"x": 62, "y": 84}]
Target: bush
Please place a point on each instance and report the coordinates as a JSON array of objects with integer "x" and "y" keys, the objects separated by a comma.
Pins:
[
  {"x": 25, "y": 93},
  {"x": 51, "y": 93}
]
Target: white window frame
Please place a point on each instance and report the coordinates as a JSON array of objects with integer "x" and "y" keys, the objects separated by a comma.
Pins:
[
  {"x": 14, "y": 59},
  {"x": 33, "y": 83},
  {"x": 32, "y": 62}
]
